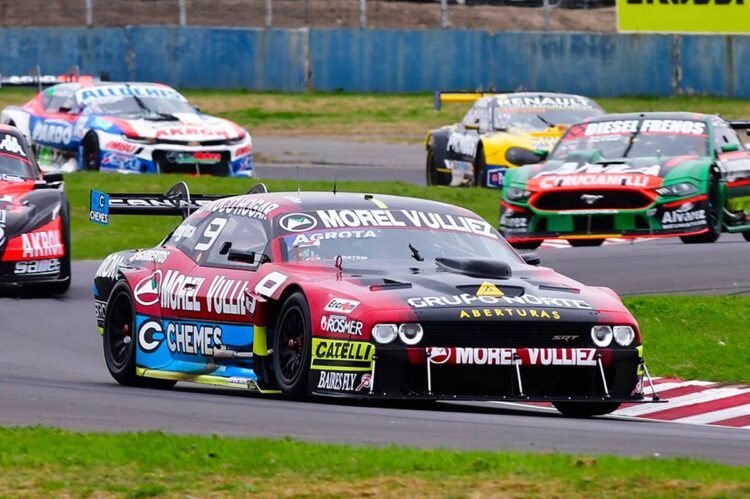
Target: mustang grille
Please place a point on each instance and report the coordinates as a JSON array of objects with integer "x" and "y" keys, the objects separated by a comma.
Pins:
[
  {"x": 498, "y": 334},
  {"x": 592, "y": 200}
]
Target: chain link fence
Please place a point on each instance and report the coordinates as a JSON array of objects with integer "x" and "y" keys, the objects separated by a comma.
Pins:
[{"x": 491, "y": 15}]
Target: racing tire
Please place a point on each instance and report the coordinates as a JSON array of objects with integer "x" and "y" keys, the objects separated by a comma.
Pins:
[
  {"x": 480, "y": 165},
  {"x": 585, "y": 409},
  {"x": 62, "y": 285},
  {"x": 746, "y": 235},
  {"x": 293, "y": 347},
  {"x": 119, "y": 340},
  {"x": 713, "y": 216},
  {"x": 433, "y": 176},
  {"x": 91, "y": 155},
  {"x": 527, "y": 245},
  {"x": 585, "y": 243}
]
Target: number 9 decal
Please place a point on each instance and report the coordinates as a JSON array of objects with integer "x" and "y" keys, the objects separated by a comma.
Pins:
[{"x": 211, "y": 232}]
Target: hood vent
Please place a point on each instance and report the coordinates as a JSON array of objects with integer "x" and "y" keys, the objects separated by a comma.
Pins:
[
  {"x": 389, "y": 285},
  {"x": 475, "y": 267}
]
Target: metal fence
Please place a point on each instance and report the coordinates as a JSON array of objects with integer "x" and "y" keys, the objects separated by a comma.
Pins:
[{"x": 491, "y": 15}]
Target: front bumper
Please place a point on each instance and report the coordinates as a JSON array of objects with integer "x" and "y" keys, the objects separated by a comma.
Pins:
[
  {"x": 31, "y": 271},
  {"x": 505, "y": 374},
  {"x": 522, "y": 222},
  {"x": 119, "y": 154}
]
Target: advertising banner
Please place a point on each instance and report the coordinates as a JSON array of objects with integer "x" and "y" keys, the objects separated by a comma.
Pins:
[{"x": 684, "y": 16}]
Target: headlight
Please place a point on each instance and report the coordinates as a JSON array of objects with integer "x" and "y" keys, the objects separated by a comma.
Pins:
[
  {"x": 410, "y": 334},
  {"x": 384, "y": 333},
  {"x": 681, "y": 189},
  {"x": 624, "y": 335},
  {"x": 515, "y": 194},
  {"x": 602, "y": 336},
  {"x": 139, "y": 140}
]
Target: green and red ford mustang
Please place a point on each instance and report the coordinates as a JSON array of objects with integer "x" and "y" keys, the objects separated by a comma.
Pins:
[{"x": 633, "y": 175}]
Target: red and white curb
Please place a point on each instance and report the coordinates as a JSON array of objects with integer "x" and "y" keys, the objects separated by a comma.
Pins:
[
  {"x": 695, "y": 402},
  {"x": 689, "y": 402}
]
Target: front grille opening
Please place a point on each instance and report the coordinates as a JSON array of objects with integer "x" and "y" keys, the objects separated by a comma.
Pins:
[
  {"x": 592, "y": 200},
  {"x": 597, "y": 224},
  {"x": 167, "y": 165}
]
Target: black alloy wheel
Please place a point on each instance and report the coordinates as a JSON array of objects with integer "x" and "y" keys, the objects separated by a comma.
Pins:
[
  {"x": 585, "y": 243},
  {"x": 120, "y": 340},
  {"x": 91, "y": 152},
  {"x": 293, "y": 346},
  {"x": 585, "y": 409},
  {"x": 480, "y": 168},
  {"x": 714, "y": 213}
]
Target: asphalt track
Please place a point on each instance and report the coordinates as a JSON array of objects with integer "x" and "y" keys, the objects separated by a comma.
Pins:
[{"x": 52, "y": 372}]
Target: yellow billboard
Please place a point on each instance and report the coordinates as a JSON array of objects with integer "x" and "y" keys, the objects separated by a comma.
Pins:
[{"x": 684, "y": 16}]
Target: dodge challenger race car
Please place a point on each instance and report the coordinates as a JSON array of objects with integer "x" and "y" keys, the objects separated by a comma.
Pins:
[
  {"x": 355, "y": 295},
  {"x": 499, "y": 132},
  {"x": 633, "y": 175},
  {"x": 130, "y": 128},
  {"x": 34, "y": 220}
]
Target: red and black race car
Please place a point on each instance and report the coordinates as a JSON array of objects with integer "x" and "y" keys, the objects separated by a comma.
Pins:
[
  {"x": 34, "y": 220},
  {"x": 355, "y": 295}
]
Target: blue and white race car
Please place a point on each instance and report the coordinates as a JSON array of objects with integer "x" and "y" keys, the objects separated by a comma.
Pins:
[{"x": 130, "y": 128}]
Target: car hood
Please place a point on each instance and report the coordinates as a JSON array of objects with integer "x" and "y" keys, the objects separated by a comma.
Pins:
[
  {"x": 442, "y": 294},
  {"x": 23, "y": 209},
  {"x": 187, "y": 127},
  {"x": 590, "y": 170}
]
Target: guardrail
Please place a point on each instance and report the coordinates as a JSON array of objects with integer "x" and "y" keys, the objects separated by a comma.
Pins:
[{"x": 389, "y": 60}]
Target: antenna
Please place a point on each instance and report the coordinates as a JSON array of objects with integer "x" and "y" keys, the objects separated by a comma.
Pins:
[
  {"x": 299, "y": 189},
  {"x": 334, "y": 185}
]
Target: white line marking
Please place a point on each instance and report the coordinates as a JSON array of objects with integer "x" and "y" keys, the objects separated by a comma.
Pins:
[
  {"x": 663, "y": 387},
  {"x": 685, "y": 400}
]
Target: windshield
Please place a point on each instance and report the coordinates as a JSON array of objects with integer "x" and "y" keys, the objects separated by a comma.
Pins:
[
  {"x": 539, "y": 120},
  {"x": 14, "y": 161},
  {"x": 134, "y": 100},
  {"x": 539, "y": 112},
  {"x": 420, "y": 240},
  {"x": 635, "y": 138}
]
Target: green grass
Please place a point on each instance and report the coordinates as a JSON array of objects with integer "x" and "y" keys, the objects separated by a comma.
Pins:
[
  {"x": 36, "y": 462},
  {"x": 695, "y": 337}
]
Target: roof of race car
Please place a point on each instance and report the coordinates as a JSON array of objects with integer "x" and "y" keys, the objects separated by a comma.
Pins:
[
  {"x": 656, "y": 115},
  {"x": 316, "y": 200}
]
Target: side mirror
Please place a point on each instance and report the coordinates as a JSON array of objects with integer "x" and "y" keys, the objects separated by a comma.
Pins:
[
  {"x": 197, "y": 108},
  {"x": 730, "y": 148},
  {"x": 531, "y": 258},
  {"x": 52, "y": 177},
  {"x": 541, "y": 153}
]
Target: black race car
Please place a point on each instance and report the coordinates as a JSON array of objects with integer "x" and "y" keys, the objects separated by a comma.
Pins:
[{"x": 34, "y": 220}]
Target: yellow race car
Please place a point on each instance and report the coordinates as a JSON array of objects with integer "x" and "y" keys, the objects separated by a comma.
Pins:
[{"x": 500, "y": 131}]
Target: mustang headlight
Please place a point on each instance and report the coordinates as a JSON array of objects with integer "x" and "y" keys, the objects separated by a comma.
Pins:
[
  {"x": 624, "y": 335},
  {"x": 602, "y": 336},
  {"x": 410, "y": 334},
  {"x": 516, "y": 194},
  {"x": 681, "y": 189},
  {"x": 384, "y": 333}
]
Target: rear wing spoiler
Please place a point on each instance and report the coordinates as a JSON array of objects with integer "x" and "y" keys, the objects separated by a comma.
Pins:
[
  {"x": 35, "y": 78},
  {"x": 741, "y": 125},
  {"x": 447, "y": 97},
  {"x": 177, "y": 201}
]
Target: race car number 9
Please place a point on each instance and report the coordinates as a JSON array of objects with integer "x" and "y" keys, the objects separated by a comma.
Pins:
[{"x": 211, "y": 232}]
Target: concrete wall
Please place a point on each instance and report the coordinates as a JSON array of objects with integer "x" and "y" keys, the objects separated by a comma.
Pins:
[{"x": 389, "y": 60}]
